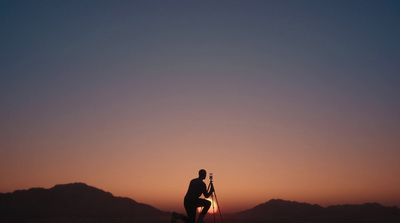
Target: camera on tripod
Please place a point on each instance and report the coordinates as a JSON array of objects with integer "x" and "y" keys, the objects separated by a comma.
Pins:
[{"x": 211, "y": 176}]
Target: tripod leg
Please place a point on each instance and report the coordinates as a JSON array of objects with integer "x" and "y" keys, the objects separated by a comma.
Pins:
[
  {"x": 212, "y": 200},
  {"x": 219, "y": 209}
]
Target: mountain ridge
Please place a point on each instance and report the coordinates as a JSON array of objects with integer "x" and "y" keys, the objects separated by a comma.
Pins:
[
  {"x": 74, "y": 199},
  {"x": 278, "y": 210},
  {"x": 78, "y": 202}
]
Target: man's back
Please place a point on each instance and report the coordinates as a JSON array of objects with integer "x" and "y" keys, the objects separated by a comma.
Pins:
[{"x": 196, "y": 188}]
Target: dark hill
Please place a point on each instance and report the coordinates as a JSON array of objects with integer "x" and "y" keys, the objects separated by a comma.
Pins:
[
  {"x": 71, "y": 200},
  {"x": 81, "y": 203},
  {"x": 277, "y": 210},
  {"x": 290, "y": 211}
]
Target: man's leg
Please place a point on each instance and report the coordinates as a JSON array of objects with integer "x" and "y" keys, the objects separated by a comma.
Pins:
[
  {"x": 206, "y": 206},
  {"x": 191, "y": 212},
  {"x": 176, "y": 216}
]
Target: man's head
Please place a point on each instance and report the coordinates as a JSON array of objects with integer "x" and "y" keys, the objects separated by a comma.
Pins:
[{"x": 202, "y": 174}]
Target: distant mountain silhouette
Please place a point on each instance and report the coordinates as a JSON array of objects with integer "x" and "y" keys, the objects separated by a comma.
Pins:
[
  {"x": 277, "y": 210},
  {"x": 76, "y": 200},
  {"x": 281, "y": 208}
]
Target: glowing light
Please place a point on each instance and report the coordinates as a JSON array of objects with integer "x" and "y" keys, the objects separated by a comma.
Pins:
[{"x": 213, "y": 207}]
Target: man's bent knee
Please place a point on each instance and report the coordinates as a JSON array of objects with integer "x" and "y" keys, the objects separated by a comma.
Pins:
[{"x": 208, "y": 204}]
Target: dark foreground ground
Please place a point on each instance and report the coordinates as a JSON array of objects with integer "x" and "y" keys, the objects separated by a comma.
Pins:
[
  {"x": 86, "y": 220},
  {"x": 167, "y": 219}
]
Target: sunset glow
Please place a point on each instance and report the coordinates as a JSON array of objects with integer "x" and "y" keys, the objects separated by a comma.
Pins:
[
  {"x": 294, "y": 100},
  {"x": 213, "y": 209}
]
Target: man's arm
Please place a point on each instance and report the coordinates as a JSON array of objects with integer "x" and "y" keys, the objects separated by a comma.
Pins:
[{"x": 208, "y": 194}]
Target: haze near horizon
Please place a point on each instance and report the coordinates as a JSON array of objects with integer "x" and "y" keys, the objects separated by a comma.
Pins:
[{"x": 279, "y": 99}]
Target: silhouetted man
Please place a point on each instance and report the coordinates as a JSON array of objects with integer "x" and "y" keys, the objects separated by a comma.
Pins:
[{"x": 192, "y": 200}]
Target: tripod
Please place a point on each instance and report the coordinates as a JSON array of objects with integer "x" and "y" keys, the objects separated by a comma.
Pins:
[{"x": 211, "y": 185}]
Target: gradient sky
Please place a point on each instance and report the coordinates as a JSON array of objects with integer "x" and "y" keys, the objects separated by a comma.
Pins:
[{"x": 298, "y": 100}]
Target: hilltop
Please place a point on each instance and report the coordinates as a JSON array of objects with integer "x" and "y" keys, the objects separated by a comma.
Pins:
[
  {"x": 75, "y": 201},
  {"x": 78, "y": 202},
  {"x": 277, "y": 210}
]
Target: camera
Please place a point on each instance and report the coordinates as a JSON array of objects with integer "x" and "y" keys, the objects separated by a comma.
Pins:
[{"x": 211, "y": 176}]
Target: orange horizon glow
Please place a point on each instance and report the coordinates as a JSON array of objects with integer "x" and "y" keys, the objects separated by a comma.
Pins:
[{"x": 242, "y": 199}]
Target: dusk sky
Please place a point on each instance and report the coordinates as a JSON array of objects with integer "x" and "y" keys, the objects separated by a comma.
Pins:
[{"x": 297, "y": 100}]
